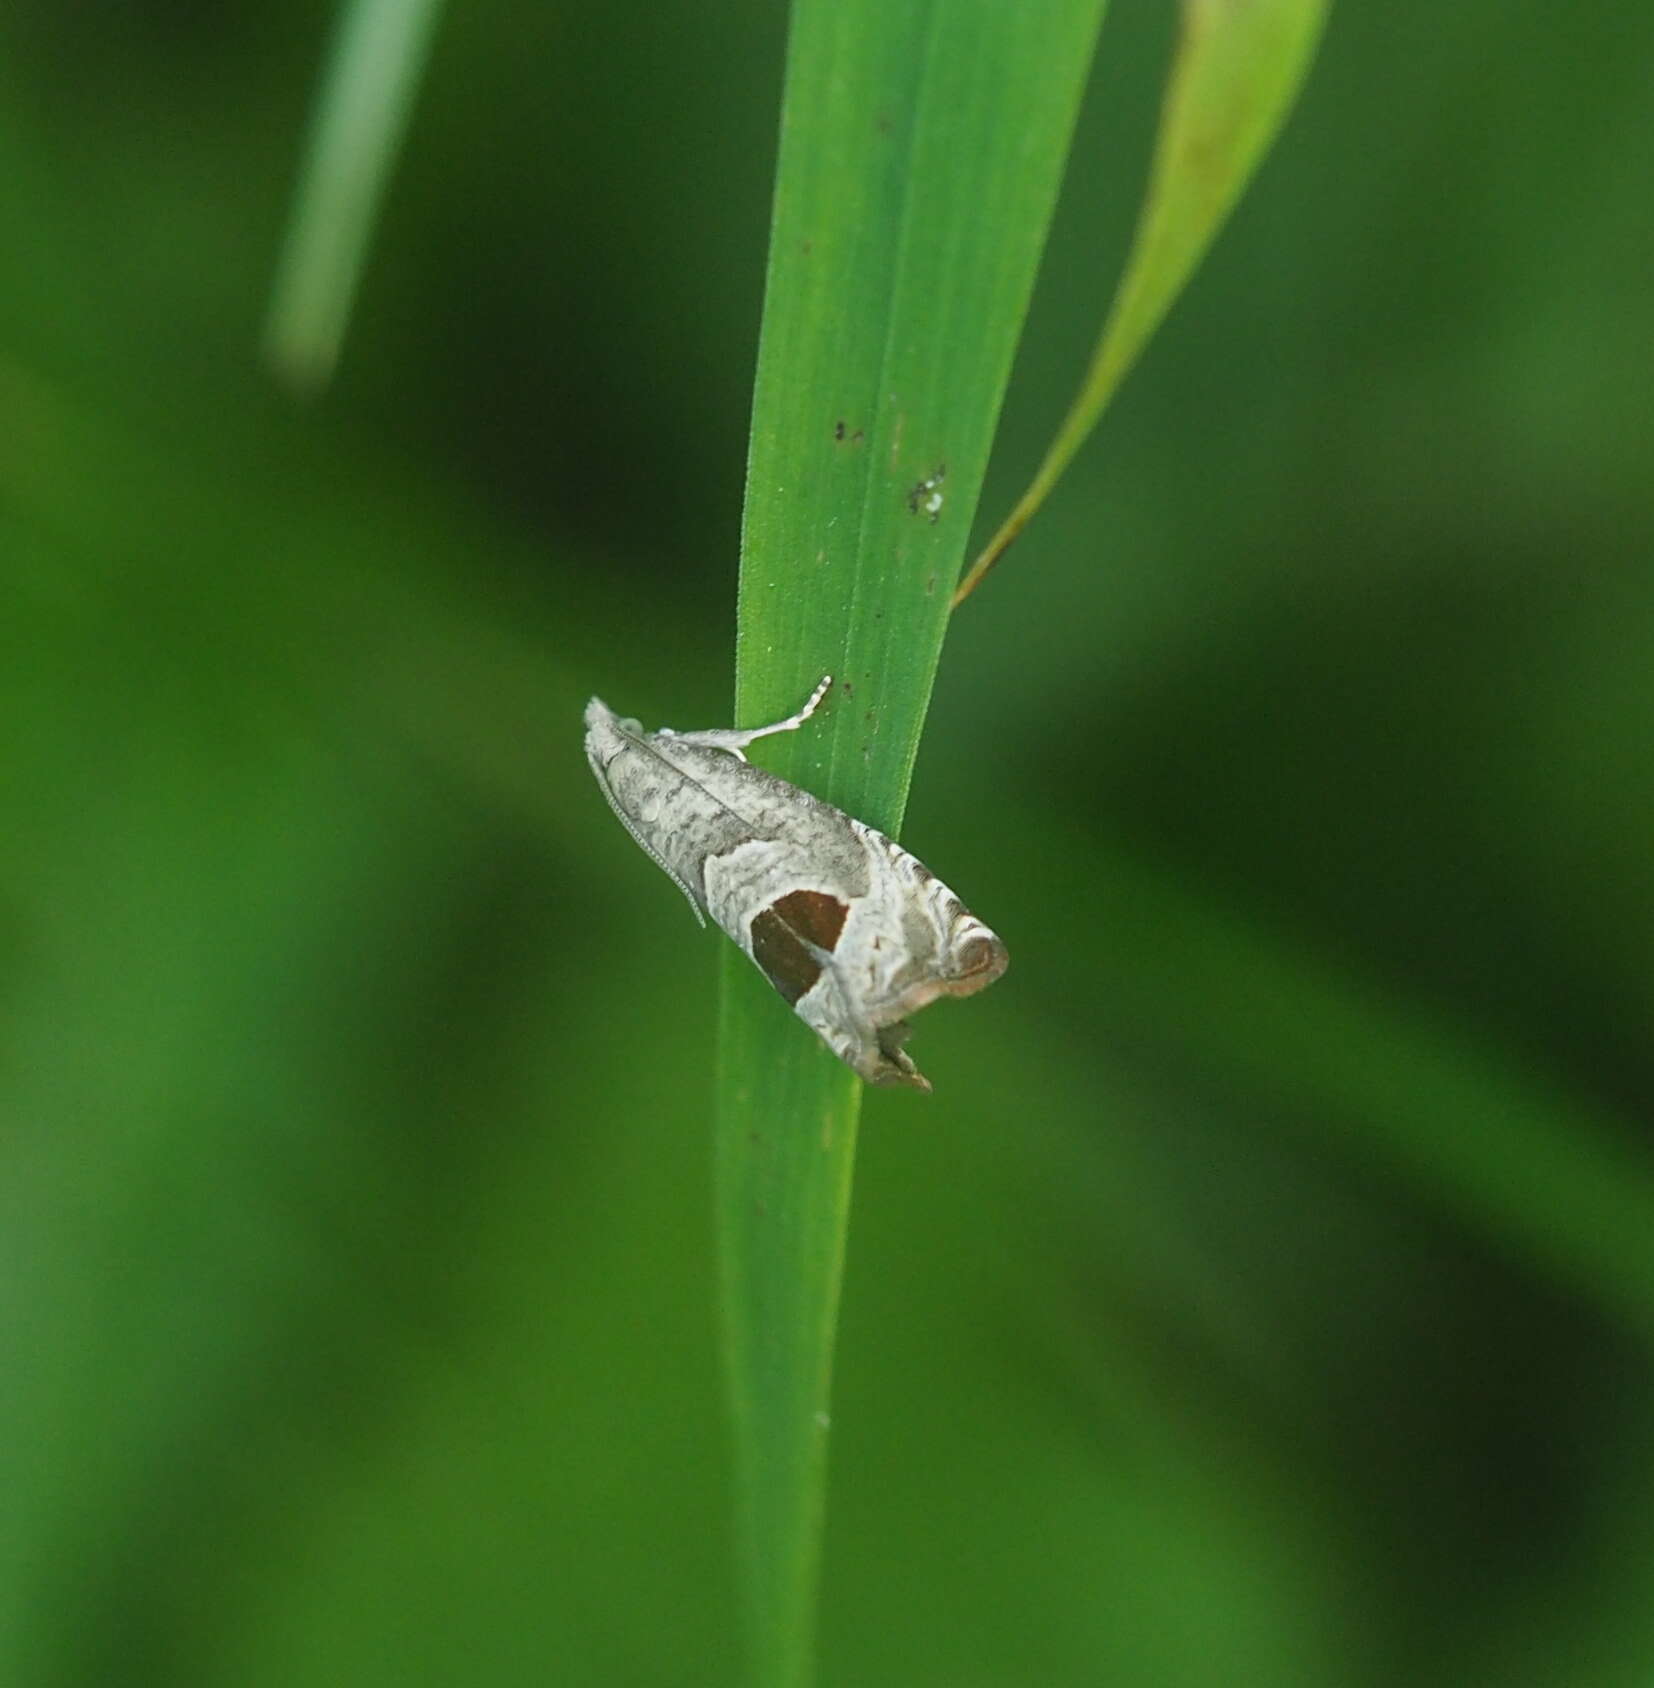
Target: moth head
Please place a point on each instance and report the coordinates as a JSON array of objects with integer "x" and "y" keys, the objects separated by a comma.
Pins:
[
  {"x": 978, "y": 959},
  {"x": 970, "y": 959}
]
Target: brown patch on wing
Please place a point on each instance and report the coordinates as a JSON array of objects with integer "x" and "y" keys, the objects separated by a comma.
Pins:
[
  {"x": 815, "y": 915},
  {"x": 786, "y": 935}
]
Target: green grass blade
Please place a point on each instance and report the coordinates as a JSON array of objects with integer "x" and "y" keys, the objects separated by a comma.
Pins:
[
  {"x": 361, "y": 114},
  {"x": 1237, "y": 67},
  {"x": 921, "y": 151}
]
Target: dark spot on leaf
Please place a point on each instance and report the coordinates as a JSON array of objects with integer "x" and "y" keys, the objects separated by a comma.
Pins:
[{"x": 926, "y": 495}]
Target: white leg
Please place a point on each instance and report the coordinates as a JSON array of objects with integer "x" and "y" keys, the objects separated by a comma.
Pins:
[{"x": 736, "y": 739}]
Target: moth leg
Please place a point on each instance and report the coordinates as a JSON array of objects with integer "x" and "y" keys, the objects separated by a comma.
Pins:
[{"x": 736, "y": 739}]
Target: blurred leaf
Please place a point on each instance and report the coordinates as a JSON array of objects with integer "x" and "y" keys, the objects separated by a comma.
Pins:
[
  {"x": 1237, "y": 67},
  {"x": 1521, "y": 1160},
  {"x": 361, "y": 115},
  {"x": 920, "y": 156}
]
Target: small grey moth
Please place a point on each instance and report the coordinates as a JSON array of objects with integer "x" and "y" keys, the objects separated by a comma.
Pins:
[{"x": 853, "y": 931}]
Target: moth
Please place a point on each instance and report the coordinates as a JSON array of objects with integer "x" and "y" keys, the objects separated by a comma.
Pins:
[{"x": 854, "y": 932}]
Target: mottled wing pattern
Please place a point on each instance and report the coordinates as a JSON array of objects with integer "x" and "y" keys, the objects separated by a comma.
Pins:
[{"x": 853, "y": 931}]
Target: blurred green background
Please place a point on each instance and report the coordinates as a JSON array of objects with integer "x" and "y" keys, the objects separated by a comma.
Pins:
[{"x": 1267, "y": 1292}]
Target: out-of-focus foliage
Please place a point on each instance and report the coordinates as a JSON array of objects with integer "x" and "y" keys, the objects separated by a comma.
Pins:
[
  {"x": 1231, "y": 84},
  {"x": 1262, "y": 1294}
]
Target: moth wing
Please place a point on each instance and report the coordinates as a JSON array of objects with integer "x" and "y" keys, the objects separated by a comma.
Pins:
[
  {"x": 643, "y": 843},
  {"x": 931, "y": 945}
]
